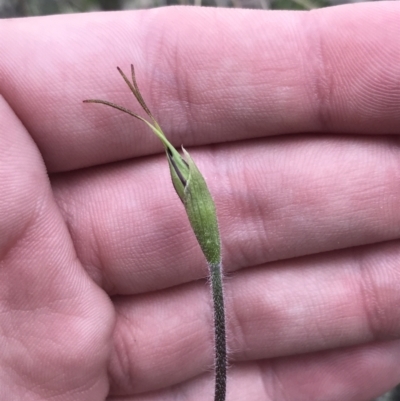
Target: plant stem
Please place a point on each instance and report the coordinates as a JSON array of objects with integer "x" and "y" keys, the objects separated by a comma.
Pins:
[
  {"x": 220, "y": 332},
  {"x": 200, "y": 209}
]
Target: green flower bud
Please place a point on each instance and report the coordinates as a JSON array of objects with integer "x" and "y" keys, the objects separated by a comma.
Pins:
[
  {"x": 192, "y": 189},
  {"x": 188, "y": 182}
]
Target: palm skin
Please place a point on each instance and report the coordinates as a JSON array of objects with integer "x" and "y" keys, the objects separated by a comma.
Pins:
[{"x": 102, "y": 286}]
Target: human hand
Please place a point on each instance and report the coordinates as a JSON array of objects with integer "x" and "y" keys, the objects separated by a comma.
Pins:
[{"x": 102, "y": 283}]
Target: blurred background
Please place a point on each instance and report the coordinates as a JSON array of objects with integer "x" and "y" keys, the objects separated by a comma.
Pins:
[
  {"x": 14, "y": 8},
  {"x": 24, "y": 8}
]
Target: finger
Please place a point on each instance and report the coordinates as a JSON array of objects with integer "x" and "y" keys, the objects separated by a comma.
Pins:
[
  {"x": 292, "y": 307},
  {"x": 49, "y": 316},
  {"x": 333, "y": 70},
  {"x": 356, "y": 374},
  {"x": 275, "y": 199}
]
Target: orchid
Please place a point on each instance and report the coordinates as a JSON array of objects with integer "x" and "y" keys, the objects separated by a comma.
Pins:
[{"x": 192, "y": 190}]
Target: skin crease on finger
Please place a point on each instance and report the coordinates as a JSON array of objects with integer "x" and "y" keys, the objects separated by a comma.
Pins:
[
  {"x": 295, "y": 378},
  {"x": 56, "y": 324},
  {"x": 327, "y": 301},
  {"x": 360, "y": 209},
  {"x": 360, "y": 159},
  {"x": 277, "y": 198},
  {"x": 331, "y": 70}
]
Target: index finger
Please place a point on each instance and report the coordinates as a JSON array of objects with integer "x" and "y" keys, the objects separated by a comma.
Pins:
[{"x": 208, "y": 75}]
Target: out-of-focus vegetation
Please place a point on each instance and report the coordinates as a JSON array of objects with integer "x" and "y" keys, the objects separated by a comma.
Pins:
[
  {"x": 15, "y": 8},
  {"x": 21, "y": 8}
]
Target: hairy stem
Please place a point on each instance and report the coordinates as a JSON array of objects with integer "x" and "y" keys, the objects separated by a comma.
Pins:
[
  {"x": 220, "y": 332},
  {"x": 194, "y": 194}
]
